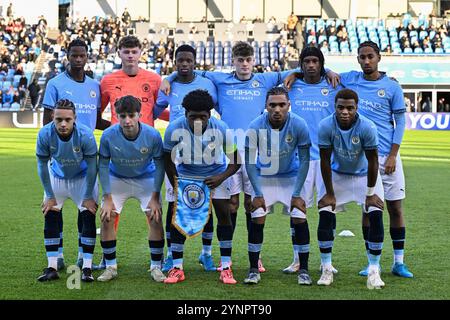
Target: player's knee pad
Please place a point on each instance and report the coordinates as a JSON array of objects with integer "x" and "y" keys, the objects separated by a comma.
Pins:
[
  {"x": 169, "y": 215},
  {"x": 176, "y": 236},
  {"x": 301, "y": 233},
  {"x": 60, "y": 221},
  {"x": 80, "y": 222},
  {"x": 89, "y": 228},
  {"x": 209, "y": 226},
  {"x": 51, "y": 225},
  {"x": 376, "y": 229},
  {"x": 224, "y": 232},
  {"x": 325, "y": 229},
  {"x": 256, "y": 233}
]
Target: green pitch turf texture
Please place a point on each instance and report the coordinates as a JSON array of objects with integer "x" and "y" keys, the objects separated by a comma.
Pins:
[{"x": 426, "y": 160}]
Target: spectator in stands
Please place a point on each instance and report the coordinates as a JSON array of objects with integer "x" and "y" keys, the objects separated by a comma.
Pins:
[
  {"x": 426, "y": 106},
  {"x": 34, "y": 92},
  {"x": 89, "y": 72},
  {"x": 292, "y": 21},
  {"x": 441, "y": 105},
  {"x": 243, "y": 20},
  {"x": 437, "y": 41},
  {"x": 53, "y": 73},
  {"x": 342, "y": 34},
  {"x": 257, "y": 20},
  {"x": 15, "y": 104},
  {"x": 275, "y": 67},
  {"x": 8, "y": 97},
  {"x": 204, "y": 19},
  {"x": 388, "y": 49},
  {"x": 9, "y": 11},
  {"x": 272, "y": 20},
  {"x": 23, "y": 82},
  {"x": 331, "y": 29},
  {"x": 401, "y": 27},
  {"x": 1, "y": 98}
]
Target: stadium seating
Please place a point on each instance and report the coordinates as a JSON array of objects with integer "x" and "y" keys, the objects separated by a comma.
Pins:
[{"x": 374, "y": 30}]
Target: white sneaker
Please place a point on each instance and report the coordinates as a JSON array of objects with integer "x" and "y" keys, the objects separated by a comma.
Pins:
[
  {"x": 157, "y": 274},
  {"x": 109, "y": 274},
  {"x": 326, "y": 278},
  {"x": 374, "y": 281},
  {"x": 332, "y": 268},
  {"x": 292, "y": 268}
]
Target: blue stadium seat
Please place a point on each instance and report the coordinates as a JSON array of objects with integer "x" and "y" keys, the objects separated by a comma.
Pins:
[
  {"x": 322, "y": 39},
  {"x": 438, "y": 50},
  {"x": 397, "y": 50},
  {"x": 423, "y": 34},
  {"x": 311, "y": 39},
  {"x": 345, "y": 50},
  {"x": 418, "y": 50},
  {"x": 428, "y": 50},
  {"x": 407, "y": 50},
  {"x": 324, "y": 50},
  {"x": 432, "y": 34}
]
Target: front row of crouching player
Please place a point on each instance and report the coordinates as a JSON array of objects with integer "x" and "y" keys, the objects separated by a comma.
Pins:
[{"x": 199, "y": 155}]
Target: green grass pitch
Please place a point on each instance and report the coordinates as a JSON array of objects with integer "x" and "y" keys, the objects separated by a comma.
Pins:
[{"x": 426, "y": 159}]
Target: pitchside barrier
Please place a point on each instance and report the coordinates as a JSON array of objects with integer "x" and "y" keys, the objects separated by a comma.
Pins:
[{"x": 414, "y": 120}]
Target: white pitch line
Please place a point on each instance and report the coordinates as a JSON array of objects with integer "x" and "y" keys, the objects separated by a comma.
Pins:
[{"x": 425, "y": 159}]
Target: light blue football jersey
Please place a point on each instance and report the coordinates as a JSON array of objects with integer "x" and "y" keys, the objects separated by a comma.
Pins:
[
  {"x": 348, "y": 145},
  {"x": 199, "y": 155},
  {"x": 67, "y": 157},
  {"x": 131, "y": 158},
  {"x": 313, "y": 102},
  {"x": 85, "y": 95},
  {"x": 177, "y": 93},
  {"x": 292, "y": 136},
  {"x": 379, "y": 100}
]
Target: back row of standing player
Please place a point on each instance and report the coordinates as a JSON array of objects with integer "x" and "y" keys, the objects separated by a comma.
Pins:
[{"x": 240, "y": 98}]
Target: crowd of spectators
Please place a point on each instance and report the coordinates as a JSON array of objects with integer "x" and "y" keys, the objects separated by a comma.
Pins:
[{"x": 20, "y": 46}]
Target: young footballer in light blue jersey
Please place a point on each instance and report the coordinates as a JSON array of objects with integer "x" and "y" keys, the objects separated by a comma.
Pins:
[
  {"x": 312, "y": 98},
  {"x": 199, "y": 144},
  {"x": 185, "y": 82},
  {"x": 348, "y": 145},
  {"x": 84, "y": 92},
  {"x": 72, "y": 150},
  {"x": 381, "y": 100},
  {"x": 131, "y": 165},
  {"x": 281, "y": 142}
]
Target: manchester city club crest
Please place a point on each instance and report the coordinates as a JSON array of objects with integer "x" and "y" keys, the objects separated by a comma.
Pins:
[
  {"x": 93, "y": 94},
  {"x": 325, "y": 91},
  {"x": 76, "y": 149},
  {"x": 193, "y": 196},
  {"x": 289, "y": 138},
  {"x": 255, "y": 84},
  {"x": 355, "y": 140},
  {"x": 381, "y": 93},
  {"x": 144, "y": 150}
]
